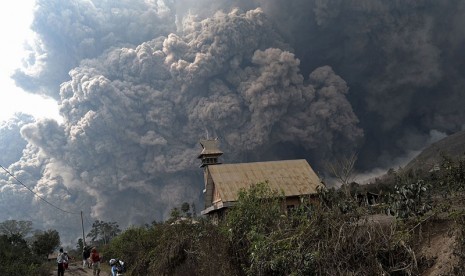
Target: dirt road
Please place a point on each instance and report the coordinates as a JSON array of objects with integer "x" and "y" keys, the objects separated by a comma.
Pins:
[{"x": 76, "y": 269}]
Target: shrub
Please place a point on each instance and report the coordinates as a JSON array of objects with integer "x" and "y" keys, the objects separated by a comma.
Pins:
[
  {"x": 178, "y": 249},
  {"x": 17, "y": 259},
  {"x": 410, "y": 200}
]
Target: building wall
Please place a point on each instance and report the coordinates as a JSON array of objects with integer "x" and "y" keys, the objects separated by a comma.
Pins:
[{"x": 208, "y": 192}]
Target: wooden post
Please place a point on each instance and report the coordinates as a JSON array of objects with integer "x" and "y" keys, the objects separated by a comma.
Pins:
[{"x": 83, "y": 238}]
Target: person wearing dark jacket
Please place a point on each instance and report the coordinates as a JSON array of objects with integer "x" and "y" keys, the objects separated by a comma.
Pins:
[{"x": 85, "y": 257}]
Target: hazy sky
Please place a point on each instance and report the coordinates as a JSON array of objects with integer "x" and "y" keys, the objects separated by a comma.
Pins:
[{"x": 15, "y": 20}]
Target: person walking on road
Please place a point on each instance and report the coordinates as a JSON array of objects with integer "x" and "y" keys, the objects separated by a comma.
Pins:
[
  {"x": 95, "y": 260},
  {"x": 85, "y": 257},
  {"x": 61, "y": 260}
]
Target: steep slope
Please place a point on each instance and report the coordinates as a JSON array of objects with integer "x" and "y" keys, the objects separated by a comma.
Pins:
[{"x": 452, "y": 146}]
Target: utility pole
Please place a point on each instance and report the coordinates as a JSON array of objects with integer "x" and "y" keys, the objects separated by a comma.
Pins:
[{"x": 83, "y": 238}]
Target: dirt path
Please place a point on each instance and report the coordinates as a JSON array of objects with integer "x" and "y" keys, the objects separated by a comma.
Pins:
[{"x": 76, "y": 269}]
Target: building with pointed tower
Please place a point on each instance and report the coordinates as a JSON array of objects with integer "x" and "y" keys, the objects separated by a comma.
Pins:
[{"x": 295, "y": 178}]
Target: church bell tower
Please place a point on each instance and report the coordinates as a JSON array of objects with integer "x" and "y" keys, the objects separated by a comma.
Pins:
[{"x": 210, "y": 152}]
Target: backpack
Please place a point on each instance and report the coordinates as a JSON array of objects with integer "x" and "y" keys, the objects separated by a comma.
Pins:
[{"x": 120, "y": 267}]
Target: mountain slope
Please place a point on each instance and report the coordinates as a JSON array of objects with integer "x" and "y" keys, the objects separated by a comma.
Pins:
[{"x": 452, "y": 146}]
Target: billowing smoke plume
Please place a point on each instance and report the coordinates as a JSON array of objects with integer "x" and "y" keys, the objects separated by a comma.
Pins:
[
  {"x": 70, "y": 31},
  {"x": 140, "y": 82},
  {"x": 133, "y": 116},
  {"x": 11, "y": 142},
  {"x": 403, "y": 61}
]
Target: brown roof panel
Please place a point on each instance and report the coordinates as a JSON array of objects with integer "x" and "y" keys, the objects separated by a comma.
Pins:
[
  {"x": 293, "y": 177},
  {"x": 210, "y": 147}
]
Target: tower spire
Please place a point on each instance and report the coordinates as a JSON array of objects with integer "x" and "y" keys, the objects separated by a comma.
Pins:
[{"x": 210, "y": 152}]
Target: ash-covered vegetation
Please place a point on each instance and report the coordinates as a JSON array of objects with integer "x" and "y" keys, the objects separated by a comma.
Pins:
[{"x": 338, "y": 235}]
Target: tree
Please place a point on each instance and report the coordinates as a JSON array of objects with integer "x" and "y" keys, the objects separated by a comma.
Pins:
[
  {"x": 181, "y": 212},
  {"x": 45, "y": 242},
  {"x": 16, "y": 256},
  {"x": 343, "y": 171},
  {"x": 250, "y": 224},
  {"x": 80, "y": 245},
  {"x": 103, "y": 232},
  {"x": 14, "y": 227},
  {"x": 175, "y": 214},
  {"x": 185, "y": 208},
  {"x": 194, "y": 210}
]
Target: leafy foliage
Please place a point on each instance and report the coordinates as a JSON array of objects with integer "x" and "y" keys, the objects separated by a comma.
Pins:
[
  {"x": 102, "y": 232},
  {"x": 45, "y": 242},
  {"x": 182, "y": 213},
  {"x": 328, "y": 235},
  {"x": 332, "y": 199},
  {"x": 257, "y": 209},
  {"x": 314, "y": 239},
  {"x": 410, "y": 200},
  {"x": 451, "y": 176},
  {"x": 185, "y": 208},
  {"x": 173, "y": 249},
  {"x": 175, "y": 214},
  {"x": 17, "y": 259},
  {"x": 261, "y": 237},
  {"x": 250, "y": 223},
  {"x": 80, "y": 245}
]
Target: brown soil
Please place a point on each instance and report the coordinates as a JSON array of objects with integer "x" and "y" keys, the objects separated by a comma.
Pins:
[
  {"x": 436, "y": 242},
  {"x": 438, "y": 248},
  {"x": 76, "y": 269}
]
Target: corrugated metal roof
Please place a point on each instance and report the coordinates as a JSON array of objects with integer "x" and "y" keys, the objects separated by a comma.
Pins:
[{"x": 293, "y": 177}]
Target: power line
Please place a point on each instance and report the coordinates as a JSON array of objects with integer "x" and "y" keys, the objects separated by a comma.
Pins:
[
  {"x": 43, "y": 199},
  {"x": 53, "y": 205}
]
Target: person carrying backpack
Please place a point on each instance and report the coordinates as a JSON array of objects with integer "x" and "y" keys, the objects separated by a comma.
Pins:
[
  {"x": 62, "y": 259},
  {"x": 85, "y": 257},
  {"x": 95, "y": 261},
  {"x": 117, "y": 267}
]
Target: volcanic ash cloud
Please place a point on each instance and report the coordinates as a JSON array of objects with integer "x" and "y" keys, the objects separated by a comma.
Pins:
[{"x": 133, "y": 116}]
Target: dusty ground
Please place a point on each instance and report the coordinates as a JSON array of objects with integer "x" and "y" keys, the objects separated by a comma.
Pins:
[
  {"x": 437, "y": 247},
  {"x": 75, "y": 268},
  {"x": 436, "y": 244}
]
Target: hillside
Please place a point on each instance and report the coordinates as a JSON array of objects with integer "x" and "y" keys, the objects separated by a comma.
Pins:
[
  {"x": 442, "y": 232},
  {"x": 452, "y": 146},
  {"x": 429, "y": 159}
]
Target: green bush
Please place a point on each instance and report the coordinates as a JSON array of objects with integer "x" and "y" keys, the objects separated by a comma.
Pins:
[
  {"x": 17, "y": 258},
  {"x": 260, "y": 237},
  {"x": 179, "y": 249},
  {"x": 410, "y": 200},
  {"x": 328, "y": 238}
]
